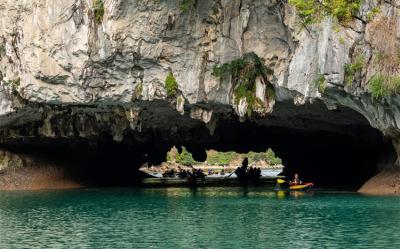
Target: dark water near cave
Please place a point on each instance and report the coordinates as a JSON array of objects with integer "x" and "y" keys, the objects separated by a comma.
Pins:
[{"x": 219, "y": 217}]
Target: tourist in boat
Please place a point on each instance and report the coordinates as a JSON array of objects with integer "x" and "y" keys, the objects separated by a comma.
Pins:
[
  {"x": 245, "y": 164},
  {"x": 296, "y": 180},
  {"x": 245, "y": 173},
  {"x": 183, "y": 174},
  {"x": 242, "y": 170}
]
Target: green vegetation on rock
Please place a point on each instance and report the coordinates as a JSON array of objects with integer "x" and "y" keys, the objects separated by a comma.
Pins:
[
  {"x": 98, "y": 6},
  {"x": 185, "y": 158},
  {"x": 313, "y": 11},
  {"x": 171, "y": 85},
  {"x": 185, "y": 5},
  {"x": 244, "y": 72},
  {"x": 224, "y": 158},
  {"x": 350, "y": 69},
  {"x": 268, "y": 156},
  {"x": 2, "y": 50},
  {"x": 374, "y": 12},
  {"x": 382, "y": 86},
  {"x": 221, "y": 158},
  {"x": 320, "y": 83},
  {"x": 14, "y": 83}
]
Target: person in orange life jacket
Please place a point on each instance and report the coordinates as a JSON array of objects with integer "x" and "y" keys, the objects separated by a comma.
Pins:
[{"x": 296, "y": 180}]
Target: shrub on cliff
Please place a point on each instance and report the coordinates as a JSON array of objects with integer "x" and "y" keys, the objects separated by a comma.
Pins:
[
  {"x": 381, "y": 85},
  {"x": 312, "y": 11},
  {"x": 171, "y": 85},
  {"x": 98, "y": 6},
  {"x": 320, "y": 83},
  {"x": 351, "y": 69},
  {"x": 244, "y": 72}
]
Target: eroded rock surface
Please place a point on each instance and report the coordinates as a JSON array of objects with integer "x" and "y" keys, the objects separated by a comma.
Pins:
[{"x": 65, "y": 75}]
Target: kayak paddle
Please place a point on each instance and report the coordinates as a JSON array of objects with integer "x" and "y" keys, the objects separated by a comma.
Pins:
[{"x": 280, "y": 181}]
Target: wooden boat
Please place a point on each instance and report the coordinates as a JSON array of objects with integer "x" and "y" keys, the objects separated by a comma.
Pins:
[{"x": 304, "y": 186}]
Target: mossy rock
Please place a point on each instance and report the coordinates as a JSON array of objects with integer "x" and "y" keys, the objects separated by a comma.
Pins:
[{"x": 244, "y": 72}]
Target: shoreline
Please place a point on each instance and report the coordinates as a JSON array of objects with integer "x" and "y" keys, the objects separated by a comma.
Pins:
[
  {"x": 36, "y": 178},
  {"x": 386, "y": 182},
  {"x": 58, "y": 178}
]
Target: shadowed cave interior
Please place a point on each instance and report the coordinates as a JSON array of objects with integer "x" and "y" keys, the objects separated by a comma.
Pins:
[{"x": 330, "y": 148}]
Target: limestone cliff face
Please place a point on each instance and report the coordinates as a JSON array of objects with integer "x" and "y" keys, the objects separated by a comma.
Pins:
[{"x": 59, "y": 52}]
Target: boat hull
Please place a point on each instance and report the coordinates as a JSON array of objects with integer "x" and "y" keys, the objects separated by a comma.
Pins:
[{"x": 304, "y": 186}]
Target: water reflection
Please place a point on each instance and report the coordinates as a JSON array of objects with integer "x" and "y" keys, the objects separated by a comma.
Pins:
[
  {"x": 217, "y": 192},
  {"x": 219, "y": 217},
  {"x": 280, "y": 194}
]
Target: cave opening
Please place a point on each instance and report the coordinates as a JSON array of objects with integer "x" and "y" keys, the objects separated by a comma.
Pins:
[
  {"x": 328, "y": 147},
  {"x": 332, "y": 148}
]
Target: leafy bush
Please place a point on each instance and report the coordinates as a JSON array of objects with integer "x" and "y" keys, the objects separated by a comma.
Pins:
[
  {"x": 245, "y": 69},
  {"x": 98, "y": 7},
  {"x": 382, "y": 86},
  {"x": 272, "y": 159},
  {"x": 371, "y": 14},
  {"x": 350, "y": 69},
  {"x": 268, "y": 156},
  {"x": 312, "y": 11},
  {"x": 223, "y": 158},
  {"x": 171, "y": 85},
  {"x": 231, "y": 68},
  {"x": 244, "y": 72},
  {"x": 185, "y": 158}
]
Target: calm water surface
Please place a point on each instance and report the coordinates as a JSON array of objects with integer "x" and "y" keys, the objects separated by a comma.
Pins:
[{"x": 223, "y": 217}]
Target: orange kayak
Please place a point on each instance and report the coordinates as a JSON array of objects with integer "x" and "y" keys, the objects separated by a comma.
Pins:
[{"x": 304, "y": 186}]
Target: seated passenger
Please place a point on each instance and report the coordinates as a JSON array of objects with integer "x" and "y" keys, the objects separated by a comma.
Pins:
[{"x": 296, "y": 180}]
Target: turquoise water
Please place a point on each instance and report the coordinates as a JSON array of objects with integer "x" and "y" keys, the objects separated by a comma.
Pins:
[{"x": 219, "y": 217}]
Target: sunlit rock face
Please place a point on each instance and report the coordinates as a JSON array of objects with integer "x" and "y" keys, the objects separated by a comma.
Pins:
[
  {"x": 64, "y": 74},
  {"x": 62, "y": 55}
]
